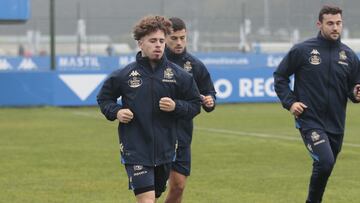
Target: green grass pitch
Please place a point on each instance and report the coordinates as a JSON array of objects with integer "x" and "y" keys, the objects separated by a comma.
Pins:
[{"x": 243, "y": 153}]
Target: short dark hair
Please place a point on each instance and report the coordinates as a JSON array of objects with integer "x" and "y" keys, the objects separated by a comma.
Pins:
[
  {"x": 329, "y": 9},
  {"x": 150, "y": 24},
  {"x": 177, "y": 24}
]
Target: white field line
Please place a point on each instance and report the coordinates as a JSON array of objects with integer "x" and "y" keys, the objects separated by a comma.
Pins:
[
  {"x": 250, "y": 134},
  {"x": 88, "y": 114},
  {"x": 262, "y": 135},
  {"x": 221, "y": 131}
]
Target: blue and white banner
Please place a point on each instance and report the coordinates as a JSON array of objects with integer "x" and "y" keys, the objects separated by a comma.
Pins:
[
  {"x": 49, "y": 88},
  {"x": 77, "y": 80},
  {"x": 79, "y": 88},
  {"x": 39, "y": 63},
  {"x": 249, "y": 85},
  {"x": 87, "y": 63},
  {"x": 96, "y": 63},
  {"x": 240, "y": 60},
  {"x": 92, "y": 62}
]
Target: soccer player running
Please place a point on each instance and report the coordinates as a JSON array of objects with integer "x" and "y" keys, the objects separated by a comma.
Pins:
[
  {"x": 326, "y": 74},
  {"x": 176, "y": 52},
  {"x": 155, "y": 93}
]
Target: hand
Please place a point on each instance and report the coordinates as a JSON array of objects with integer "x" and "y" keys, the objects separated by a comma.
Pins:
[
  {"x": 297, "y": 108},
  {"x": 208, "y": 101},
  {"x": 124, "y": 115},
  {"x": 356, "y": 92},
  {"x": 167, "y": 104}
]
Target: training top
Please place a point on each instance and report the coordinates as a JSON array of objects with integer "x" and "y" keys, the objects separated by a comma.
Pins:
[
  {"x": 201, "y": 75},
  {"x": 325, "y": 73},
  {"x": 150, "y": 137}
]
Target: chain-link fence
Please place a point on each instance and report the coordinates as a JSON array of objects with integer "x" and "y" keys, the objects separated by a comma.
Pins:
[{"x": 104, "y": 27}]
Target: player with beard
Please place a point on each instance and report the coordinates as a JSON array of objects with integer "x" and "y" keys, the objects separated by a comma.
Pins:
[
  {"x": 326, "y": 73},
  {"x": 176, "y": 52}
]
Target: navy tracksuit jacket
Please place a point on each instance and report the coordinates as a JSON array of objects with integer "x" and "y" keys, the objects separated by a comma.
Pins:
[
  {"x": 150, "y": 137},
  {"x": 325, "y": 74},
  {"x": 204, "y": 83}
]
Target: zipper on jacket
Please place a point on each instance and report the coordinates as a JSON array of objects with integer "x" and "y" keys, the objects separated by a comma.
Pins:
[
  {"x": 152, "y": 114},
  {"x": 328, "y": 87}
]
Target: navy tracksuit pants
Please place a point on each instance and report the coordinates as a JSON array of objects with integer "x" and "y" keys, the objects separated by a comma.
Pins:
[{"x": 324, "y": 148}]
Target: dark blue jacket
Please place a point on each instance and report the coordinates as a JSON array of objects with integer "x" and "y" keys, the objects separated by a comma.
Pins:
[
  {"x": 325, "y": 74},
  {"x": 204, "y": 83},
  {"x": 150, "y": 137}
]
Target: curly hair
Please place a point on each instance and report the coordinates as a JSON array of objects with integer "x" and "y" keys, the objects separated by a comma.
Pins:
[{"x": 150, "y": 24}]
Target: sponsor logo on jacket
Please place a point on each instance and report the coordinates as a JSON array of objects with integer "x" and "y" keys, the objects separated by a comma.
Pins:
[
  {"x": 169, "y": 76},
  {"x": 135, "y": 79},
  {"x": 315, "y": 57},
  {"x": 342, "y": 58},
  {"x": 187, "y": 66}
]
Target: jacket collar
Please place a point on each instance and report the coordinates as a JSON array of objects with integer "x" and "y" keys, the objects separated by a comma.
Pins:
[
  {"x": 327, "y": 41},
  {"x": 144, "y": 61},
  {"x": 172, "y": 56}
]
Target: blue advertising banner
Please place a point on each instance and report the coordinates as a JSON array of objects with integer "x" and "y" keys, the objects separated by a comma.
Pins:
[
  {"x": 49, "y": 88},
  {"x": 72, "y": 63},
  {"x": 97, "y": 63},
  {"x": 240, "y": 60},
  {"x": 91, "y": 63},
  {"x": 38, "y": 63},
  {"x": 28, "y": 81},
  {"x": 14, "y": 10},
  {"x": 247, "y": 85},
  {"x": 78, "y": 88},
  {"x": 26, "y": 88}
]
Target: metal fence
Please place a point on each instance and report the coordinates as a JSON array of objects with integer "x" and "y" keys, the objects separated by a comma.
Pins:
[{"x": 93, "y": 27}]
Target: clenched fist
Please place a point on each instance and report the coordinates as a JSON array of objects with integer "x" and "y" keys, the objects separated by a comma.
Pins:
[
  {"x": 297, "y": 108},
  {"x": 207, "y": 101},
  {"x": 167, "y": 104},
  {"x": 124, "y": 115},
  {"x": 356, "y": 92}
]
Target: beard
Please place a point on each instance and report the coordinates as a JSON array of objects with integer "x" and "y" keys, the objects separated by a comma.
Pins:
[
  {"x": 333, "y": 36},
  {"x": 156, "y": 60}
]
